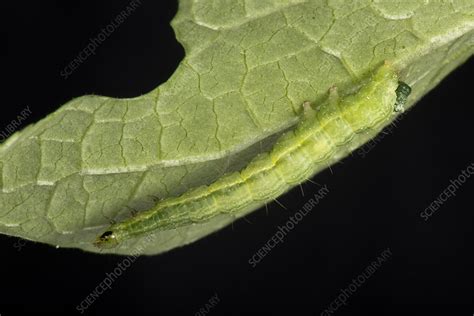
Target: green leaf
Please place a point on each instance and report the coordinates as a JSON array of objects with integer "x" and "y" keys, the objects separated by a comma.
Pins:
[{"x": 249, "y": 66}]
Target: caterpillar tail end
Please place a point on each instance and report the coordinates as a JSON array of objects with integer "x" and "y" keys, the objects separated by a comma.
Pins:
[
  {"x": 107, "y": 240},
  {"x": 403, "y": 91}
]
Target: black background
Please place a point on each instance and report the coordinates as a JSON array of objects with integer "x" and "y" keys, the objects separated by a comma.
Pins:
[{"x": 374, "y": 202}]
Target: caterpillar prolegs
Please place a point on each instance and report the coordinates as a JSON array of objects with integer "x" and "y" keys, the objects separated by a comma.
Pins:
[{"x": 324, "y": 134}]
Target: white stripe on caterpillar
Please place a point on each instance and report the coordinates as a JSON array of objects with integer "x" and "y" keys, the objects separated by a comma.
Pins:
[{"x": 322, "y": 137}]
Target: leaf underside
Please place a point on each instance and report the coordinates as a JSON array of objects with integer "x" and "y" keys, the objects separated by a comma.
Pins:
[{"x": 249, "y": 66}]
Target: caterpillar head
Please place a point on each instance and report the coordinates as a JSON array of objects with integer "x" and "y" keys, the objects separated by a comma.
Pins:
[{"x": 107, "y": 240}]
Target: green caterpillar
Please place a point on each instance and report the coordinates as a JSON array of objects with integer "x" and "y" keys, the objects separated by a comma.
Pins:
[{"x": 324, "y": 134}]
